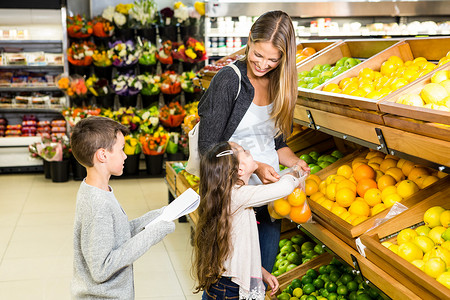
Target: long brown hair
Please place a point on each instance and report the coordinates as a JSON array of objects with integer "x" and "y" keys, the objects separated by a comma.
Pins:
[
  {"x": 276, "y": 27},
  {"x": 212, "y": 240}
]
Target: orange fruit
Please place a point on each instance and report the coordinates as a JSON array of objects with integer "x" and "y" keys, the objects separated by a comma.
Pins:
[
  {"x": 327, "y": 204},
  {"x": 364, "y": 185},
  {"x": 374, "y": 153},
  {"x": 323, "y": 187},
  {"x": 331, "y": 191},
  {"x": 300, "y": 214},
  {"x": 345, "y": 170},
  {"x": 315, "y": 178},
  {"x": 387, "y": 163},
  {"x": 388, "y": 67},
  {"x": 308, "y": 51},
  {"x": 419, "y": 180},
  {"x": 297, "y": 197},
  {"x": 377, "y": 208},
  {"x": 416, "y": 171},
  {"x": 358, "y": 220},
  {"x": 316, "y": 196},
  {"x": 391, "y": 199},
  {"x": 387, "y": 191},
  {"x": 311, "y": 186},
  {"x": 407, "y": 167},
  {"x": 282, "y": 207},
  {"x": 359, "y": 208},
  {"x": 273, "y": 213},
  {"x": 376, "y": 160},
  {"x": 338, "y": 210},
  {"x": 406, "y": 188},
  {"x": 364, "y": 171},
  {"x": 385, "y": 181},
  {"x": 429, "y": 180},
  {"x": 346, "y": 184},
  {"x": 372, "y": 196},
  {"x": 338, "y": 178},
  {"x": 345, "y": 197},
  {"x": 396, "y": 173}
]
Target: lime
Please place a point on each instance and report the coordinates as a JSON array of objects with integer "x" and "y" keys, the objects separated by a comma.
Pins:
[
  {"x": 323, "y": 269},
  {"x": 294, "y": 298},
  {"x": 312, "y": 273},
  {"x": 334, "y": 276},
  {"x": 331, "y": 268},
  {"x": 373, "y": 293},
  {"x": 363, "y": 296},
  {"x": 342, "y": 290},
  {"x": 319, "y": 249},
  {"x": 352, "y": 295},
  {"x": 310, "y": 297},
  {"x": 324, "y": 292},
  {"x": 318, "y": 283},
  {"x": 296, "y": 283},
  {"x": 352, "y": 286},
  {"x": 298, "y": 292},
  {"x": 284, "y": 296},
  {"x": 326, "y": 278},
  {"x": 331, "y": 287},
  {"x": 332, "y": 296},
  {"x": 303, "y": 297},
  {"x": 307, "y": 279},
  {"x": 346, "y": 278},
  {"x": 308, "y": 288}
]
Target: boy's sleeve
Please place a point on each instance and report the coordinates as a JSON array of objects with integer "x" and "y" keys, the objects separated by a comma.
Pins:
[
  {"x": 259, "y": 195},
  {"x": 104, "y": 258},
  {"x": 138, "y": 224}
]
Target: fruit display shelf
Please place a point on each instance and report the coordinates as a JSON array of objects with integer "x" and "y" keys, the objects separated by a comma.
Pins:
[
  {"x": 405, "y": 49},
  {"x": 348, "y": 232},
  {"x": 389, "y": 104},
  {"x": 410, "y": 276}
]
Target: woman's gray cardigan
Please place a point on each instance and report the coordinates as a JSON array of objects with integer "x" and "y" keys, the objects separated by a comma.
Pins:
[{"x": 219, "y": 113}]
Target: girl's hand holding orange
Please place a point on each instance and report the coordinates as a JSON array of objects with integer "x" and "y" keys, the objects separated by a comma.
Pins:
[{"x": 266, "y": 173}]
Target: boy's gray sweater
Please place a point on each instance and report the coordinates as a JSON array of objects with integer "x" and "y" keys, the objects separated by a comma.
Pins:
[{"x": 106, "y": 244}]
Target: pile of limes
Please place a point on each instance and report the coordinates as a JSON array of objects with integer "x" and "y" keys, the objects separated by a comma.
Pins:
[
  {"x": 428, "y": 246},
  {"x": 369, "y": 184},
  {"x": 332, "y": 281}
]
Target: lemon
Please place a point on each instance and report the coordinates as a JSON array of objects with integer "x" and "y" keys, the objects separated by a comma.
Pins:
[
  {"x": 446, "y": 245},
  {"x": 386, "y": 244},
  {"x": 425, "y": 243},
  {"x": 442, "y": 253},
  {"x": 388, "y": 191},
  {"x": 433, "y": 93},
  {"x": 406, "y": 188},
  {"x": 406, "y": 235},
  {"x": 439, "y": 76},
  {"x": 444, "y": 279},
  {"x": 377, "y": 208},
  {"x": 391, "y": 199},
  {"x": 331, "y": 191},
  {"x": 418, "y": 263},
  {"x": 434, "y": 267},
  {"x": 432, "y": 216},
  {"x": 423, "y": 230},
  {"x": 410, "y": 251},
  {"x": 436, "y": 235},
  {"x": 445, "y": 218}
]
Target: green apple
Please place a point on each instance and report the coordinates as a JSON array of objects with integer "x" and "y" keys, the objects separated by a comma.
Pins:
[
  {"x": 282, "y": 255},
  {"x": 351, "y": 62},
  {"x": 287, "y": 249},
  {"x": 338, "y": 154},
  {"x": 297, "y": 248},
  {"x": 278, "y": 262},
  {"x": 314, "y": 154},
  {"x": 282, "y": 242},
  {"x": 319, "y": 249},
  {"x": 330, "y": 158},
  {"x": 294, "y": 258},
  {"x": 315, "y": 80},
  {"x": 321, "y": 158},
  {"x": 303, "y": 74},
  {"x": 314, "y": 73},
  {"x": 317, "y": 67},
  {"x": 315, "y": 169},
  {"x": 341, "y": 62},
  {"x": 303, "y": 85},
  {"x": 298, "y": 238},
  {"x": 276, "y": 273},
  {"x": 291, "y": 266},
  {"x": 308, "y": 159},
  {"x": 324, "y": 164},
  {"x": 307, "y": 246},
  {"x": 283, "y": 265},
  {"x": 312, "y": 85},
  {"x": 446, "y": 234},
  {"x": 326, "y": 67},
  {"x": 326, "y": 74}
]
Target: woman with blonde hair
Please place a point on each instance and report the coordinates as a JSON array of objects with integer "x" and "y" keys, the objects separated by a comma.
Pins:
[{"x": 253, "y": 105}]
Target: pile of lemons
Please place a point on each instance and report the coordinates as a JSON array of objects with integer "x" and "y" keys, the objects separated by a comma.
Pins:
[
  {"x": 428, "y": 246},
  {"x": 393, "y": 74},
  {"x": 369, "y": 184}
]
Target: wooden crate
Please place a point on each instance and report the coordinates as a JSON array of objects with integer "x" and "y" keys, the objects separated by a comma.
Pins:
[
  {"x": 432, "y": 48},
  {"x": 434, "y": 130},
  {"x": 413, "y": 278},
  {"x": 300, "y": 271},
  {"x": 389, "y": 105},
  {"x": 171, "y": 174},
  {"x": 346, "y": 231},
  {"x": 319, "y": 46},
  {"x": 400, "y": 49}
]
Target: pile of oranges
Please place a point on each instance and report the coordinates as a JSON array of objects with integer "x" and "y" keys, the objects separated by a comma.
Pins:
[
  {"x": 304, "y": 54},
  {"x": 393, "y": 74},
  {"x": 293, "y": 207},
  {"x": 368, "y": 185}
]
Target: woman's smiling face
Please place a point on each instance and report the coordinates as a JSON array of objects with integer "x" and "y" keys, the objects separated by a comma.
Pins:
[{"x": 262, "y": 58}]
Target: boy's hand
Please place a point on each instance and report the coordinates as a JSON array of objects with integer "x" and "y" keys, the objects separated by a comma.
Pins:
[{"x": 271, "y": 280}]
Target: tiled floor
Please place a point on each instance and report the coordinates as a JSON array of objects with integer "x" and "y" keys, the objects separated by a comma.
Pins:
[{"x": 36, "y": 229}]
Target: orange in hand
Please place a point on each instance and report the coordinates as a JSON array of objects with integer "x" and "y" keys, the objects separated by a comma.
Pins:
[{"x": 297, "y": 197}]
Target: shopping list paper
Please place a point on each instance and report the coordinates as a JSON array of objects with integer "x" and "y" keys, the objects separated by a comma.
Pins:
[{"x": 184, "y": 204}]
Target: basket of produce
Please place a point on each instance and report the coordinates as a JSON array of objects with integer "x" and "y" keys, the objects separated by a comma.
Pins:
[{"x": 414, "y": 246}]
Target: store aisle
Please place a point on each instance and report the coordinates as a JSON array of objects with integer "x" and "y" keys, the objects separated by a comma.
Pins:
[{"x": 36, "y": 220}]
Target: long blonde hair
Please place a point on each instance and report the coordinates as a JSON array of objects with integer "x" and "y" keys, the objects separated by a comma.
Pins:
[{"x": 276, "y": 27}]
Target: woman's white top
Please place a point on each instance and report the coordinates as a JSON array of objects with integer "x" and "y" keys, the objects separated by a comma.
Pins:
[{"x": 256, "y": 133}]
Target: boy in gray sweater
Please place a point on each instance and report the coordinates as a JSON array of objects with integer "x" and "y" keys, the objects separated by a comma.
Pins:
[{"x": 105, "y": 243}]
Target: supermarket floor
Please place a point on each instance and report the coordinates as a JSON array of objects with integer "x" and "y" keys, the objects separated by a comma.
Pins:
[{"x": 36, "y": 228}]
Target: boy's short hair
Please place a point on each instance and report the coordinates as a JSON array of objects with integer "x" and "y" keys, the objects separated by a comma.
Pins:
[{"x": 91, "y": 134}]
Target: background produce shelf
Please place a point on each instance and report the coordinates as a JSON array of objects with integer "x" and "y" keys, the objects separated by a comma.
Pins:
[{"x": 412, "y": 277}]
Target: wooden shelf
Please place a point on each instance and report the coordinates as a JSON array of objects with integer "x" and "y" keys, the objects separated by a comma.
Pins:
[
  {"x": 397, "y": 141},
  {"x": 369, "y": 270}
]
